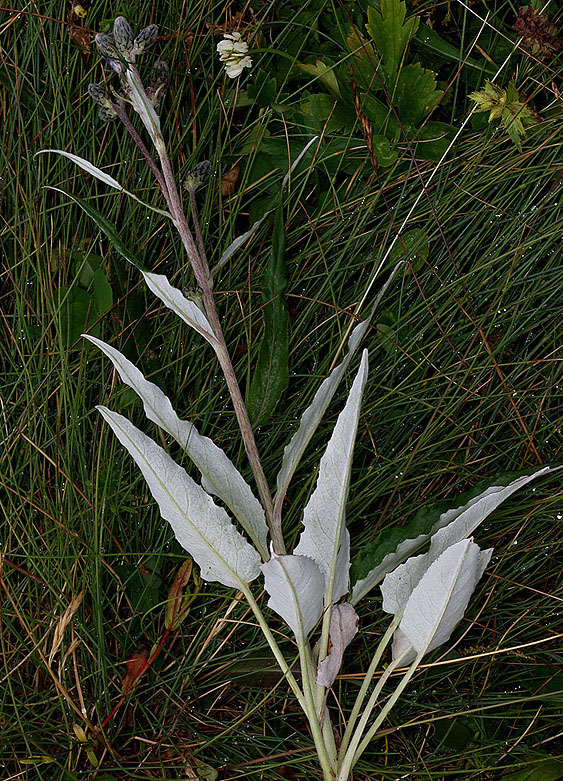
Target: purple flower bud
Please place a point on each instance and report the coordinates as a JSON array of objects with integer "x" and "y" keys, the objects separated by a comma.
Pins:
[
  {"x": 144, "y": 39},
  {"x": 98, "y": 93},
  {"x": 107, "y": 49},
  {"x": 123, "y": 36},
  {"x": 106, "y": 113}
]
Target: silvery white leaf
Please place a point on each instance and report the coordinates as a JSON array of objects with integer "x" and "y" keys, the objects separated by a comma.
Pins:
[
  {"x": 240, "y": 240},
  {"x": 175, "y": 300},
  {"x": 296, "y": 586},
  {"x": 343, "y": 628},
  {"x": 143, "y": 106},
  {"x": 463, "y": 521},
  {"x": 313, "y": 414},
  {"x": 402, "y": 648},
  {"x": 87, "y": 166},
  {"x": 220, "y": 474},
  {"x": 438, "y": 602},
  {"x": 325, "y": 537},
  {"x": 200, "y": 526},
  {"x": 93, "y": 170}
]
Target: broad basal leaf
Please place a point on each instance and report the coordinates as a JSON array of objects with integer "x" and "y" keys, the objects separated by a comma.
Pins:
[
  {"x": 343, "y": 629},
  {"x": 325, "y": 538},
  {"x": 438, "y": 602},
  {"x": 296, "y": 587},
  {"x": 391, "y": 34},
  {"x": 175, "y": 300},
  {"x": 200, "y": 526},
  {"x": 470, "y": 515},
  {"x": 220, "y": 474}
]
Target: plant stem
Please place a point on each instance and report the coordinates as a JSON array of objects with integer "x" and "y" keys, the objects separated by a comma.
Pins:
[
  {"x": 203, "y": 277},
  {"x": 365, "y": 686},
  {"x": 122, "y": 114},
  {"x": 356, "y": 747},
  {"x": 326, "y": 757},
  {"x": 270, "y": 639},
  {"x": 199, "y": 237}
]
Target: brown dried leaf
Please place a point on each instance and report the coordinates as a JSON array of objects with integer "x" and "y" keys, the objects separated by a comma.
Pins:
[
  {"x": 177, "y": 606},
  {"x": 62, "y": 624},
  {"x": 136, "y": 666},
  {"x": 229, "y": 180}
]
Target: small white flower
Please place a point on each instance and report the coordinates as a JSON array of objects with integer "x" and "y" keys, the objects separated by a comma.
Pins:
[{"x": 233, "y": 53}]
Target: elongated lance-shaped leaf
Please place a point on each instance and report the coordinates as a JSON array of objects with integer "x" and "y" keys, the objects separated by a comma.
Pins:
[
  {"x": 438, "y": 602},
  {"x": 220, "y": 474},
  {"x": 93, "y": 170},
  {"x": 464, "y": 520},
  {"x": 296, "y": 587},
  {"x": 175, "y": 300},
  {"x": 202, "y": 528},
  {"x": 325, "y": 537},
  {"x": 105, "y": 225}
]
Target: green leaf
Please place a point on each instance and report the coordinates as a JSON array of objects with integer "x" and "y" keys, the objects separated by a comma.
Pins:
[
  {"x": 416, "y": 94},
  {"x": 106, "y": 226},
  {"x": 324, "y": 73},
  {"x": 76, "y": 313},
  {"x": 383, "y": 152},
  {"x": 411, "y": 246},
  {"x": 103, "y": 294},
  {"x": 387, "y": 541},
  {"x": 437, "y": 46},
  {"x": 271, "y": 374},
  {"x": 433, "y": 139},
  {"x": 363, "y": 62},
  {"x": 382, "y": 119},
  {"x": 263, "y": 91},
  {"x": 391, "y": 34}
]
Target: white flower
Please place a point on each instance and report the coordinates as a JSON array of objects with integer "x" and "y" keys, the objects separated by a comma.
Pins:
[{"x": 233, "y": 53}]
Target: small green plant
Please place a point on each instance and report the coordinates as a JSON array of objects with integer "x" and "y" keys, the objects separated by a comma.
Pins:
[
  {"x": 241, "y": 539},
  {"x": 378, "y": 85},
  {"x": 506, "y": 106}
]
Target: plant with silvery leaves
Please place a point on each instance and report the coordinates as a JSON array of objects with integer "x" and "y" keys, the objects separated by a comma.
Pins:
[{"x": 240, "y": 541}]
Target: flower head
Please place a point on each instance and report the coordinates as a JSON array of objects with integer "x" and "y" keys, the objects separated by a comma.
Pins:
[
  {"x": 123, "y": 46},
  {"x": 100, "y": 95},
  {"x": 233, "y": 53}
]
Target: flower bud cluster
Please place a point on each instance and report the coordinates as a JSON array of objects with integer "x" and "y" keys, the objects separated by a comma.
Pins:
[
  {"x": 123, "y": 47},
  {"x": 100, "y": 95},
  {"x": 119, "y": 50}
]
